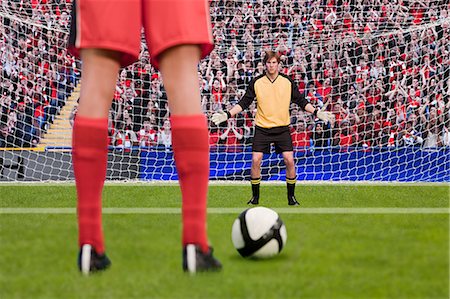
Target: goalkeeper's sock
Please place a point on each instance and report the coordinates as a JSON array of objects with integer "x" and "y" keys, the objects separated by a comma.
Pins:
[
  {"x": 290, "y": 184},
  {"x": 89, "y": 157},
  {"x": 191, "y": 152},
  {"x": 256, "y": 182}
]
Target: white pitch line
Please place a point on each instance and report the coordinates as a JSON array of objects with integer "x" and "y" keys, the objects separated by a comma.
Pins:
[{"x": 292, "y": 210}]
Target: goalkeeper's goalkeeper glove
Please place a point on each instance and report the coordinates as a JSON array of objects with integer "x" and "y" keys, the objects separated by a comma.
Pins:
[
  {"x": 325, "y": 116},
  {"x": 220, "y": 117}
]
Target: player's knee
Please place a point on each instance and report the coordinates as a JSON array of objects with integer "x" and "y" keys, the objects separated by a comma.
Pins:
[
  {"x": 256, "y": 161},
  {"x": 289, "y": 162}
]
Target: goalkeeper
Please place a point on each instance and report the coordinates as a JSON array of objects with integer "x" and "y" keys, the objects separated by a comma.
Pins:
[{"x": 274, "y": 93}]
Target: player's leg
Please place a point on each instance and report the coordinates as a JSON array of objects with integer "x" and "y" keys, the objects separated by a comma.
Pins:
[
  {"x": 261, "y": 144},
  {"x": 290, "y": 177},
  {"x": 283, "y": 145},
  {"x": 178, "y": 66},
  {"x": 255, "y": 177},
  {"x": 90, "y": 146},
  {"x": 179, "y": 34},
  {"x": 107, "y": 35}
]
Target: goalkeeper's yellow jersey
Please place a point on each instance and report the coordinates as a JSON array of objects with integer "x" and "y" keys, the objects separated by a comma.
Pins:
[{"x": 273, "y": 100}]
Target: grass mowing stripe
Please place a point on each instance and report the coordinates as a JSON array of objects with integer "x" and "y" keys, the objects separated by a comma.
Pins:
[{"x": 234, "y": 210}]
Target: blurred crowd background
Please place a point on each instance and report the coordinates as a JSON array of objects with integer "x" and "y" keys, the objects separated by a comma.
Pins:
[{"x": 381, "y": 66}]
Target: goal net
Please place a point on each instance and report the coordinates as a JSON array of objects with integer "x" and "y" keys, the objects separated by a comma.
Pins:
[{"x": 382, "y": 67}]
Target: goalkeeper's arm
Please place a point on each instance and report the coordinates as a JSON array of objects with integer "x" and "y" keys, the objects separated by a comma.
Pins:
[
  {"x": 321, "y": 114},
  {"x": 244, "y": 103},
  {"x": 222, "y": 116},
  {"x": 301, "y": 101}
]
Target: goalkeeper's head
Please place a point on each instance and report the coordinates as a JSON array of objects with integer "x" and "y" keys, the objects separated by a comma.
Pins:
[{"x": 271, "y": 61}]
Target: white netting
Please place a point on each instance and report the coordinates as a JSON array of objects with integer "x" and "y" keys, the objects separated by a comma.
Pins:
[{"x": 382, "y": 67}]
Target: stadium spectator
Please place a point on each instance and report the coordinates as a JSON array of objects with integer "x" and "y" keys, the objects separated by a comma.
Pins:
[
  {"x": 214, "y": 138},
  {"x": 432, "y": 136},
  {"x": 4, "y": 135},
  {"x": 218, "y": 86},
  {"x": 410, "y": 136},
  {"x": 446, "y": 134},
  {"x": 344, "y": 137},
  {"x": 73, "y": 115},
  {"x": 321, "y": 135},
  {"x": 232, "y": 137},
  {"x": 165, "y": 136},
  {"x": 301, "y": 136},
  {"x": 148, "y": 136},
  {"x": 118, "y": 138},
  {"x": 384, "y": 137}
]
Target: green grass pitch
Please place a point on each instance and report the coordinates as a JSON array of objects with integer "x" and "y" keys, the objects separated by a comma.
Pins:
[{"x": 327, "y": 255}]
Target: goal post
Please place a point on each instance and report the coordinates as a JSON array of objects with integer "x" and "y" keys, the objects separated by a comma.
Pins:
[{"x": 382, "y": 67}]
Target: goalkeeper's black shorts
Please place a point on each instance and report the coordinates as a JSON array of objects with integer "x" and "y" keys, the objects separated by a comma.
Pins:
[{"x": 279, "y": 136}]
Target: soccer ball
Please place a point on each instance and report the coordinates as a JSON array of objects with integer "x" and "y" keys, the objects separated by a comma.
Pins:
[{"x": 259, "y": 233}]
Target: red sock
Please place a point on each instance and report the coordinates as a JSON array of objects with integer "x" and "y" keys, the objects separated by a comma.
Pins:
[
  {"x": 191, "y": 152},
  {"x": 89, "y": 158}
]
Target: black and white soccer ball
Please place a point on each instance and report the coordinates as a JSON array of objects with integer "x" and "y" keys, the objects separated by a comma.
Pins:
[{"x": 259, "y": 233}]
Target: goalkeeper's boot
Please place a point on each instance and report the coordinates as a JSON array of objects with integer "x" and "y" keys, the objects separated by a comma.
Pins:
[
  {"x": 194, "y": 260},
  {"x": 89, "y": 261},
  {"x": 292, "y": 201},
  {"x": 253, "y": 201}
]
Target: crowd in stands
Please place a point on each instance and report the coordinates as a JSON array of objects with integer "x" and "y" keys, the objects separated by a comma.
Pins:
[
  {"x": 37, "y": 74},
  {"x": 381, "y": 66}
]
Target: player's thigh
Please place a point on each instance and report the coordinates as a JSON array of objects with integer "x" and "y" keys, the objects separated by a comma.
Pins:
[
  {"x": 283, "y": 142},
  {"x": 105, "y": 24},
  {"x": 99, "y": 76},
  {"x": 170, "y": 23}
]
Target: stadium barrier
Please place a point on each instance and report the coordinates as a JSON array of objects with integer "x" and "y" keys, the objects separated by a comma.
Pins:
[
  {"x": 406, "y": 164},
  {"x": 55, "y": 164}
]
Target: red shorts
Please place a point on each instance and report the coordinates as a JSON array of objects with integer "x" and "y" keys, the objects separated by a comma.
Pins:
[{"x": 116, "y": 25}]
